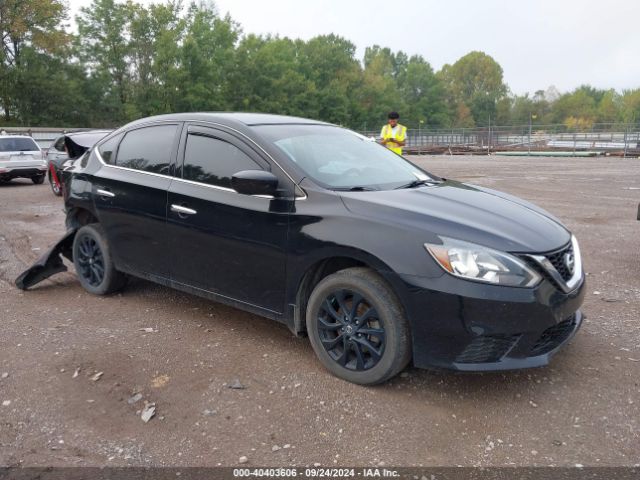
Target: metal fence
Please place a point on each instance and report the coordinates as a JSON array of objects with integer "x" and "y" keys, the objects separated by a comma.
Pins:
[
  {"x": 42, "y": 135},
  {"x": 600, "y": 139}
]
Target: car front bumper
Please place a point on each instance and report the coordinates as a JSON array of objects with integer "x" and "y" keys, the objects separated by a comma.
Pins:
[{"x": 469, "y": 326}]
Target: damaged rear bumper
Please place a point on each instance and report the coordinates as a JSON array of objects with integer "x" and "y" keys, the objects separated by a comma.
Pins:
[{"x": 48, "y": 264}]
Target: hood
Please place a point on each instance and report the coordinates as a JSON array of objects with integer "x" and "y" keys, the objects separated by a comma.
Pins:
[{"x": 464, "y": 212}]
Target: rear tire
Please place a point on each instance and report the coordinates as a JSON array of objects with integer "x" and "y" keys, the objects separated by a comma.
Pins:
[
  {"x": 94, "y": 263},
  {"x": 55, "y": 186},
  {"x": 357, "y": 327},
  {"x": 38, "y": 179}
]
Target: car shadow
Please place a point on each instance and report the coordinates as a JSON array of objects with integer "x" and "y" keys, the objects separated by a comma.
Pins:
[
  {"x": 464, "y": 385},
  {"x": 18, "y": 182}
]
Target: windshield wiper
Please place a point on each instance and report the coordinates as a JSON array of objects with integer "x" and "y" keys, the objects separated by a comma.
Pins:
[
  {"x": 356, "y": 189},
  {"x": 417, "y": 183}
]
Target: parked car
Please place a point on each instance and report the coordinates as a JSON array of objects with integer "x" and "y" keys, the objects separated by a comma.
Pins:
[
  {"x": 378, "y": 261},
  {"x": 65, "y": 149},
  {"x": 21, "y": 157}
]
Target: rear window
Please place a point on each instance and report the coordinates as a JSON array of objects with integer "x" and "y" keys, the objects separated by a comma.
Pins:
[
  {"x": 108, "y": 149},
  {"x": 25, "y": 144},
  {"x": 59, "y": 145}
]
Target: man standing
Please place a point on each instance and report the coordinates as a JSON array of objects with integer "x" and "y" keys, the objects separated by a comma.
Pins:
[{"x": 393, "y": 135}]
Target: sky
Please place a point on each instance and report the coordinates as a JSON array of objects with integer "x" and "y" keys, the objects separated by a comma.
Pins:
[{"x": 565, "y": 43}]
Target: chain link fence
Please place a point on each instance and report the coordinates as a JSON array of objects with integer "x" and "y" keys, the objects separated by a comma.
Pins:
[
  {"x": 617, "y": 139},
  {"x": 600, "y": 139},
  {"x": 42, "y": 135}
]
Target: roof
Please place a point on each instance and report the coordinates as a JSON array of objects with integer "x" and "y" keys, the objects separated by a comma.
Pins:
[
  {"x": 250, "y": 119},
  {"x": 234, "y": 118}
]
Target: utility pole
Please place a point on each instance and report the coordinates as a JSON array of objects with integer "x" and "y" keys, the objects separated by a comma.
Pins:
[
  {"x": 529, "y": 143},
  {"x": 489, "y": 140}
]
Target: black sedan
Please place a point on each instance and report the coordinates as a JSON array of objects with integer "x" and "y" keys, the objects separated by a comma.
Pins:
[
  {"x": 65, "y": 149},
  {"x": 379, "y": 262}
]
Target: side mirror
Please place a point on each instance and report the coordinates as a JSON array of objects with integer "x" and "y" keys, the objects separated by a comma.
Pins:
[{"x": 255, "y": 182}]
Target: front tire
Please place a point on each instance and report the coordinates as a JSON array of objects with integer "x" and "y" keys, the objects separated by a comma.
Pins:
[
  {"x": 38, "y": 179},
  {"x": 357, "y": 327},
  {"x": 93, "y": 262}
]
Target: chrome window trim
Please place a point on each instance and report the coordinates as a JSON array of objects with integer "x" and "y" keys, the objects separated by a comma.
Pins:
[
  {"x": 176, "y": 179},
  {"x": 200, "y": 184},
  {"x": 571, "y": 284},
  {"x": 97, "y": 151},
  {"x": 217, "y": 187}
]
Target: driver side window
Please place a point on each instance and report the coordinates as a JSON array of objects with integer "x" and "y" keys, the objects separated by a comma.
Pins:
[{"x": 213, "y": 161}]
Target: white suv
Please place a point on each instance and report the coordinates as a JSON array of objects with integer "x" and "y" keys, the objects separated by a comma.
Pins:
[{"x": 21, "y": 157}]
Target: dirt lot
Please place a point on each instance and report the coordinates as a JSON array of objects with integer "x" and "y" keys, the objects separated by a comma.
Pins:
[{"x": 583, "y": 409}]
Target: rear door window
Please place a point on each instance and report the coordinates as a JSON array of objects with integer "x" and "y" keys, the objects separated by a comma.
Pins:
[{"x": 148, "y": 149}]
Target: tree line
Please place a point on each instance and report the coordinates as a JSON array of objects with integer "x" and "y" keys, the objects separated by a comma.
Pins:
[{"x": 128, "y": 61}]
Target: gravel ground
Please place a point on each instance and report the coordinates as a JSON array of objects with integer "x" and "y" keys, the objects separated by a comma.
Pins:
[{"x": 182, "y": 353}]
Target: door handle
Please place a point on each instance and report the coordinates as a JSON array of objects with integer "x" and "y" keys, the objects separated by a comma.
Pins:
[
  {"x": 182, "y": 210},
  {"x": 105, "y": 193}
]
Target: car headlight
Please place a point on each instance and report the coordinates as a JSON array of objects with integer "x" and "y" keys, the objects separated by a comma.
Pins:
[
  {"x": 482, "y": 264},
  {"x": 68, "y": 163}
]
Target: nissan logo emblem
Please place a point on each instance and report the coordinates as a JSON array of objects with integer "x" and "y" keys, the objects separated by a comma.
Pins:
[{"x": 570, "y": 262}]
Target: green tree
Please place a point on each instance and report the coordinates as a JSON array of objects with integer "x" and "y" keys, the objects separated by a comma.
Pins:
[
  {"x": 630, "y": 106},
  {"x": 609, "y": 110},
  {"x": 268, "y": 78},
  {"x": 475, "y": 81},
  {"x": 49, "y": 91},
  {"x": 329, "y": 62},
  {"x": 34, "y": 25},
  {"x": 577, "y": 109},
  {"x": 156, "y": 35},
  {"x": 423, "y": 94},
  {"x": 105, "y": 48},
  {"x": 207, "y": 60},
  {"x": 379, "y": 92}
]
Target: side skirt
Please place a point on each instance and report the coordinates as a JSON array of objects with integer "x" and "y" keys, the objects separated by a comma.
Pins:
[{"x": 216, "y": 297}]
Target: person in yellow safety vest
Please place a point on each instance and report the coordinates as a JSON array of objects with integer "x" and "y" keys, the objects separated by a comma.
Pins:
[{"x": 393, "y": 135}]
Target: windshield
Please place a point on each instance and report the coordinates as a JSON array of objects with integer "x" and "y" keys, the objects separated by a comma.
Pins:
[
  {"x": 340, "y": 159},
  {"x": 18, "y": 145}
]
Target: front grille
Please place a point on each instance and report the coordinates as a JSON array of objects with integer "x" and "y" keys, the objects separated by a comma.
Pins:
[
  {"x": 552, "y": 337},
  {"x": 487, "y": 348},
  {"x": 558, "y": 262}
]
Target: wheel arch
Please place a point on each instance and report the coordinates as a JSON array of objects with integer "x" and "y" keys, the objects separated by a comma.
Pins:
[
  {"x": 79, "y": 217},
  {"x": 315, "y": 270}
]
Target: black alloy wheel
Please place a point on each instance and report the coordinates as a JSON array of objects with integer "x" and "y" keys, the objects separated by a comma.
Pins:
[
  {"x": 91, "y": 261},
  {"x": 351, "y": 330},
  {"x": 357, "y": 326},
  {"x": 94, "y": 265}
]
